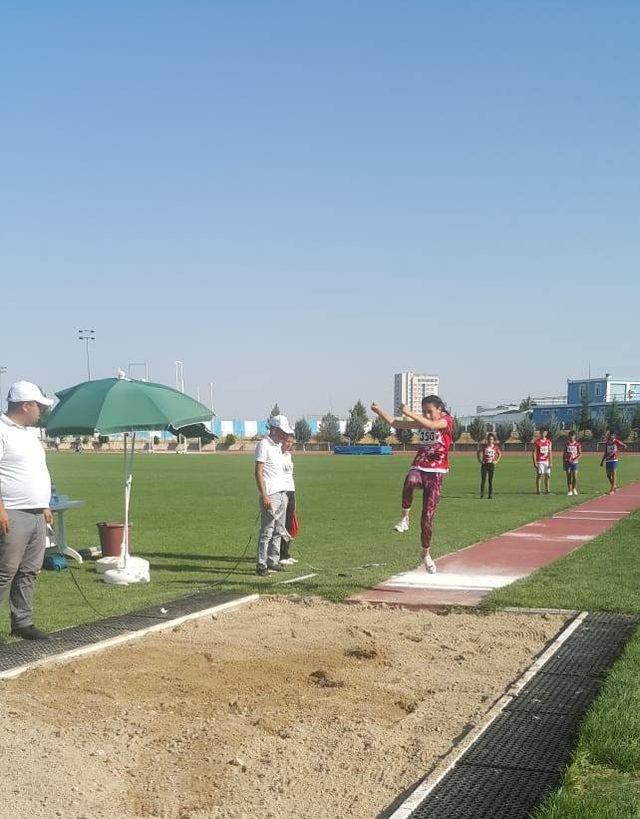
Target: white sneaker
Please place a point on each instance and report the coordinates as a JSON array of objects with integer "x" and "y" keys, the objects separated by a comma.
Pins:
[
  {"x": 575, "y": 491},
  {"x": 402, "y": 525},
  {"x": 570, "y": 492},
  {"x": 429, "y": 565},
  {"x": 289, "y": 561}
]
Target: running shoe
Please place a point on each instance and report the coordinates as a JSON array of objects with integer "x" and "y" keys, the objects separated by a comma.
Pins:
[
  {"x": 276, "y": 567},
  {"x": 402, "y": 525},
  {"x": 429, "y": 565},
  {"x": 288, "y": 561}
]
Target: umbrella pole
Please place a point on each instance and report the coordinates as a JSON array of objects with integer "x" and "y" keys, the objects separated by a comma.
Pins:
[{"x": 128, "y": 478}]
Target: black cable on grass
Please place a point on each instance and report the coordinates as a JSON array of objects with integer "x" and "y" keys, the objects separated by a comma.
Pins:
[{"x": 210, "y": 585}]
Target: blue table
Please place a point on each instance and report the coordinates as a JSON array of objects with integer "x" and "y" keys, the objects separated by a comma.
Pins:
[{"x": 60, "y": 546}]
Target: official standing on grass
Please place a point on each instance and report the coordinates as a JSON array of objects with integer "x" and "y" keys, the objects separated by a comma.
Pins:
[
  {"x": 272, "y": 486},
  {"x": 25, "y": 492}
]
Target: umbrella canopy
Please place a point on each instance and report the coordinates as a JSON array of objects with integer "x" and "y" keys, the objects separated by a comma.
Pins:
[{"x": 111, "y": 405}]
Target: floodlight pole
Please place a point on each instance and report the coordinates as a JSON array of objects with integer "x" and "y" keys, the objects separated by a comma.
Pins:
[
  {"x": 3, "y": 370},
  {"x": 87, "y": 336}
]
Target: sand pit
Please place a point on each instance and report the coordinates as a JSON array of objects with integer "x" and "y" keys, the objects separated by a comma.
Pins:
[{"x": 284, "y": 708}]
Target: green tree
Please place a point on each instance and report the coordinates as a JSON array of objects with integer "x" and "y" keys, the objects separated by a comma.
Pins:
[
  {"x": 356, "y": 422},
  {"x": 329, "y": 429},
  {"x": 613, "y": 416},
  {"x": 583, "y": 419},
  {"x": 380, "y": 430},
  {"x": 526, "y": 404},
  {"x": 477, "y": 429},
  {"x": 302, "y": 431},
  {"x": 526, "y": 430},
  {"x": 623, "y": 430},
  {"x": 503, "y": 433},
  {"x": 635, "y": 421},
  {"x": 274, "y": 411},
  {"x": 458, "y": 429},
  {"x": 553, "y": 427},
  {"x": 598, "y": 429},
  {"x": 404, "y": 436}
]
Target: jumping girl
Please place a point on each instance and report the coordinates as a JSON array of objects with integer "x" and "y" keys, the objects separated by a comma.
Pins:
[
  {"x": 489, "y": 455},
  {"x": 435, "y": 431}
]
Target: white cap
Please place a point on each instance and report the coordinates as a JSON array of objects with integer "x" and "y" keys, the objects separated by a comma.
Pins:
[
  {"x": 280, "y": 422},
  {"x": 26, "y": 391}
]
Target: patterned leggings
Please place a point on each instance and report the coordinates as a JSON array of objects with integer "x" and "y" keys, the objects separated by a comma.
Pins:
[{"x": 431, "y": 485}]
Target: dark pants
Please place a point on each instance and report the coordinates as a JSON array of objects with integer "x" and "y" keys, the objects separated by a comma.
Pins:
[
  {"x": 291, "y": 508},
  {"x": 487, "y": 471},
  {"x": 21, "y": 556}
]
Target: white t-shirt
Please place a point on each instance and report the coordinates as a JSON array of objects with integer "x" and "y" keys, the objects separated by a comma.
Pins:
[
  {"x": 288, "y": 472},
  {"x": 24, "y": 478},
  {"x": 270, "y": 454}
]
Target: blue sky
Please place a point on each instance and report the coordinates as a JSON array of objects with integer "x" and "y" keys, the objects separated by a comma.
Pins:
[{"x": 298, "y": 200}]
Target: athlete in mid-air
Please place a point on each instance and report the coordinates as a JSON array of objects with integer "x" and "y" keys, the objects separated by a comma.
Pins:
[
  {"x": 612, "y": 447},
  {"x": 435, "y": 431},
  {"x": 541, "y": 454},
  {"x": 571, "y": 461}
]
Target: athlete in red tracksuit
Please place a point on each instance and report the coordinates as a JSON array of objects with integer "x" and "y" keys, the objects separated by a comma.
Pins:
[{"x": 435, "y": 431}]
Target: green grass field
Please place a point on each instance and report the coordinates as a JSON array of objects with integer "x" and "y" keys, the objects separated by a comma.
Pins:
[{"x": 193, "y": 516}]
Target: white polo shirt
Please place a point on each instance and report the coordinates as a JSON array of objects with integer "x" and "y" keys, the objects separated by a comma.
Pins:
[
  {"x": 270, "y": 454},
  {"x": 290, "y": 485},
  {"x": 24, "y": 478}
]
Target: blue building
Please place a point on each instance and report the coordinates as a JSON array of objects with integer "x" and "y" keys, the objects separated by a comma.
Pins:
[{"x": 600, "y": 391}]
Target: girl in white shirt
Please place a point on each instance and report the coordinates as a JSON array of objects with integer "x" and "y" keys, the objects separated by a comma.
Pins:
[{"x": 291, "y": 522}]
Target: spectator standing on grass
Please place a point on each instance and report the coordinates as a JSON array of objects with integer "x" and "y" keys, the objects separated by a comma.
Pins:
[
  {"x": 25, "y": 493},
  {"x": 612, "y": 447},
  {"x": 291, "y": 520},
  {"x": 489, "y": 454},
  {"x": 571, "y": 462},
  {"x": 542, "y": 459},
  {"x": 272, "y": 486}
]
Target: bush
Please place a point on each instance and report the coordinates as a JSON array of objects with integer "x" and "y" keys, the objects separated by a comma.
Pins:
[
  {"x": 230, "y": 440},
  {"x": 103, "y": 439}
]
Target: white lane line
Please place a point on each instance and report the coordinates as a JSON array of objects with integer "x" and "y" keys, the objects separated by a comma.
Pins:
[
  {"x": 602, "y": 511},
  {"x": 597, "y": 520},
  {"x": 296, "y": 579},
  {"x": 425, "y": 787},
  {"x": 449, "y": 581},
  {"x": 94, "y": 648}
]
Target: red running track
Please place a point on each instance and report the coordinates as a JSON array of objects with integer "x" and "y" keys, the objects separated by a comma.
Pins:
[{"x": 466, "y": 576}]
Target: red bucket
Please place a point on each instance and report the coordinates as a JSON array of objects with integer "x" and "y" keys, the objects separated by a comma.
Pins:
[{"x": 111, "y": 538}]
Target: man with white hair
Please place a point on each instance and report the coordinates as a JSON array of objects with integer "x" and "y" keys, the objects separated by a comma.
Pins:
[
  {"x": 272, "y": 486},
  {"x": 25, "y": 493}
]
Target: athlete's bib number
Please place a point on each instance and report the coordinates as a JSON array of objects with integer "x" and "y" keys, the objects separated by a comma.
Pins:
[{"x": 429, "y": 436}]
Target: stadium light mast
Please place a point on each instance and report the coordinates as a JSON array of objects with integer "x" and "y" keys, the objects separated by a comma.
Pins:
[
  {"x": 180, "y": 376},
  {"x": 144, "y": 364},
  {"x": 3, "y": 370},
  {"x": 87, "y": 336}
]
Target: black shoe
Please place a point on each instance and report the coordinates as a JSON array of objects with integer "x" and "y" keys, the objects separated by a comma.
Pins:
[
  {"x": 481, "y": 495},
  {"x": 30, "y": 633},
  {"x": 262, "y": 571},
  {"x": 490, "y": 497},
  {"x": 276, "y": 567}
]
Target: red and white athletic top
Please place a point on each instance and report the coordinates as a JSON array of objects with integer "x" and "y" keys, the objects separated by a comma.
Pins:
[
  {"x": 542, "y": 448},
  {"x": 572, "y": 451},
  {"x": 489, "y": 453},
  {"x": 611, "y": 450},
  {"x": 433, "y": 455}
]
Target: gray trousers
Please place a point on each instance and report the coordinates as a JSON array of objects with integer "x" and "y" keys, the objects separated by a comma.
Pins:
[
  {"x": 271, "y": 529},
  {"x": 21, "y": 556}
]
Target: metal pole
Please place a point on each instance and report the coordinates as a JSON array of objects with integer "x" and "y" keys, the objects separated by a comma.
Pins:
[
  {"x": 3, "y": 370},
  {"x": 87, "y": 336}
]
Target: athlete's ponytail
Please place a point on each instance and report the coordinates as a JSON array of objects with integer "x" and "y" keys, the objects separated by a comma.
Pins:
[{"x": 437, "y": 402}]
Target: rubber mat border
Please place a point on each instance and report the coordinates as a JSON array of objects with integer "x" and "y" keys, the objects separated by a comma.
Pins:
[
  {"x": 24, "y": 652},
  {"x": 521, "y": 757}
]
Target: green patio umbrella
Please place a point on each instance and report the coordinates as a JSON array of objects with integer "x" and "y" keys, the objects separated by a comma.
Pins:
[
  {"x": 112, "y": 405},
  {"x": 123, "y": 405}
]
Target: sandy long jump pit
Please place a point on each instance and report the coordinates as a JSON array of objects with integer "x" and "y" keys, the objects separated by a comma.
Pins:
[{"x": 283, "y": 708}]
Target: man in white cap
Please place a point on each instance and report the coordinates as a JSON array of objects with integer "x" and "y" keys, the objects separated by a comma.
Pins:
[
  {"x": 25, "y": 492},
  {"x": 272, "y": 486}
]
